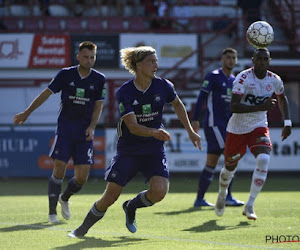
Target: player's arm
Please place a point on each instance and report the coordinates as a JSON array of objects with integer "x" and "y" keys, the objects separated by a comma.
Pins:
[
  {"x": 181, "y": 113},
  {"x": 237, "y": 107},
  {"x": 283, "y": 105},
  {"x": 20, "y": 118},
  {"x": 202, "y": 98},
  {"x": 140, "y": 130},
  {"x": 97, "y": 111}
]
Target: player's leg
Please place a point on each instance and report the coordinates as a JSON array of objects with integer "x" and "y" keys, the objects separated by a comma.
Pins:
[
  {"x": 205, "y": 179},
  {"x": 235, "y": 148},
  {"x": 155, "y": 169},
  {"x": 260, "y": 146},
  {"x": 60, "y": 152},
  {"x": 110, "y": 195},
  {"x": 215, "y": 137},
  {"x": 74, "y": 186},
  {"x": 54, "y": 188},
  {"x": 82, "y": 155}
]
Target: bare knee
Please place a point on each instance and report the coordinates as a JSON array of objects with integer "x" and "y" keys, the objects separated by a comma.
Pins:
[{"x": 156, "y": 195}]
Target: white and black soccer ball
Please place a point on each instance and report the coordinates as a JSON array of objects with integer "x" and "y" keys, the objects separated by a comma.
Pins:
[{"x": 260, "y": 34}]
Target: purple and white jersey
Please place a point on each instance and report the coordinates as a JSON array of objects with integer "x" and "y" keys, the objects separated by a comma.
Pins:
[
  {"x": 148, "y": 107},
  {"x": 78, "y": 97},
  {"x": 215, "y": 95},
  {"x": 255, "y": 91}
]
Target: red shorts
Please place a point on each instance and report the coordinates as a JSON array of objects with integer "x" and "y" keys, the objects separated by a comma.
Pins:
[{"x": 236, "y": 145}]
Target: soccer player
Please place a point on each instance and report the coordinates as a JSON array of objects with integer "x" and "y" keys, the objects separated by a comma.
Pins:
[
  {"x": 214, "y": 97},
  {"x": 141, "y": 140},
  {"x": 248, "y": 126},
  {"x": 82, "y": 93}
]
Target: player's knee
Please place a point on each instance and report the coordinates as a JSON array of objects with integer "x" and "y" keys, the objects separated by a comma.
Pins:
[
  {"x": 157, "y": 194},
  {"x": 262, "y": 161},
  {"x": 81, "y": 180}
]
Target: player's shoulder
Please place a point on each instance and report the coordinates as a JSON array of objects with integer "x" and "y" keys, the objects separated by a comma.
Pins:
[
  {"x": 160, "y": 80},
  {"x": 125, "y": 87},
  {"x": 273, "y": 76},
  {"x": 245, "y": 74},
  {"x": 97, "y": 73}
]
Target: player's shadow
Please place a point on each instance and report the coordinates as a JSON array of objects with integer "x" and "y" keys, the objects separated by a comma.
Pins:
[
  {"x": 35, "y": 226},
  {"x": 211, "y": 225},
  {"x": 186, "y": 211},
  {"x": 92, "y": 242}
]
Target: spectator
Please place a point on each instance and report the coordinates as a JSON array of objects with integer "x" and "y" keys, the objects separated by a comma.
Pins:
[{"x": 181, "y": 10}]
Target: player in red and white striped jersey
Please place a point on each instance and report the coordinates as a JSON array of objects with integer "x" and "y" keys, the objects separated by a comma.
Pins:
[{"x": 248, "y": 126}]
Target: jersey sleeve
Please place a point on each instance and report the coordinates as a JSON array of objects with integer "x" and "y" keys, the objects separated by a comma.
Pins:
[
  {"x": 102, "y": 91},
  {"x": 124, "y": 103},
  {"x": 207, "y": 84},
  {"x": 238, "y": 85},
  {"x": 279, "y": 88},
  {"x": 56, "y": 83},
  {"x": 171, "y": 92}
]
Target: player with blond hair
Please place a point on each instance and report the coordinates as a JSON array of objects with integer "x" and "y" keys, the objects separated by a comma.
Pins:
[{"x": 141, "y": 139}]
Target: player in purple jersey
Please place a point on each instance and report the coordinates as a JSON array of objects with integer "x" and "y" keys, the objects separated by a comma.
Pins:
[
  {"x": 214, "y": 98},
  {"x": 141, "y": 138},
  {"x": 82, "y": 93}
]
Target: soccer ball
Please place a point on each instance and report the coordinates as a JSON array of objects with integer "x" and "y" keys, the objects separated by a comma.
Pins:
[{"x": 260, "y": 34}]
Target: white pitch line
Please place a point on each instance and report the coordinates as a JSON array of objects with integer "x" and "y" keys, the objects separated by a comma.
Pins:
[{"x": 142, "y": 236}]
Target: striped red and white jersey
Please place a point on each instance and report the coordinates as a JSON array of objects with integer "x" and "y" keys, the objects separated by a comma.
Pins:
[{"x": 254, "y": 91}]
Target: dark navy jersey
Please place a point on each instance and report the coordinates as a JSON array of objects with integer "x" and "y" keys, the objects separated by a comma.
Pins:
[
  {"x": 78, "y": 97},
  {"x": 215, "y": 96},
  {"x": 148, "y": 107}
]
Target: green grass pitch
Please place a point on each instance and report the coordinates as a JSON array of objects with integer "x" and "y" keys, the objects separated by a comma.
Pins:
[{"x": 170, "y": 224}]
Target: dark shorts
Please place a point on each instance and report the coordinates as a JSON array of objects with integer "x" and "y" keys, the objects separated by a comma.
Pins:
[
  {"x": 215, "y": 137},
  {"x": 64, "y": 148},
  {"x": 124, "y": 167}
]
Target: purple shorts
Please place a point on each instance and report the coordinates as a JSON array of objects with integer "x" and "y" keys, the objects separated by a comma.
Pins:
[
  {"x": 64, "y": 148},
  {"x": 124, "y": 167}
]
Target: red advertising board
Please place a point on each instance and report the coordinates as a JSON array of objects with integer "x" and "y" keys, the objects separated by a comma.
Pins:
[{"x": 50, "y": 51}]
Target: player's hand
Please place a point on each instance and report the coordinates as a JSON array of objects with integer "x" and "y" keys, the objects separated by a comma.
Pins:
[
  {"x": 270, "y": 103},
  {"x": 286, "y": 131},
  {"x": 20, "y": 118},
  {"x": 89, "y": 133},
  {"x": 162, "y": 135},
  {"x": 195, "y": 126},
  {"x": 196, "y": 140}
]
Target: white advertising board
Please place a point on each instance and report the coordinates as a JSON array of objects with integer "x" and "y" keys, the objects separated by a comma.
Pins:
[
  {"x": 15, "y": 50},
  {"x": 182, "y": 156},
  {"x": 170, "y": 48}
]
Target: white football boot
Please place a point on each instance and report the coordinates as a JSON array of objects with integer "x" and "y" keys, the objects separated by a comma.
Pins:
[
  {"x": 53, "y": 218},
  {"x": 220, "y": 205},
  {"x": 249, "y": 212},
  {"x": 65, "y": 210}
]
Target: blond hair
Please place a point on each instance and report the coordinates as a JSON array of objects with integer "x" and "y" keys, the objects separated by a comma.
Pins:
[{"x": 131, "y": 56}]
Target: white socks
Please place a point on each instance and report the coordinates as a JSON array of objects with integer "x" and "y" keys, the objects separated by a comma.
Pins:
[
  {"x": 259, "y": 177},
  {"x": 224, "y": 180}
]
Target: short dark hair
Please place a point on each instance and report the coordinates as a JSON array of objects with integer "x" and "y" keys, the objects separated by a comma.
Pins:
[
  {"x": 260, "y": 49},
  {"x": 228, "y": 50},
  {"x": 87, "y": 45}
]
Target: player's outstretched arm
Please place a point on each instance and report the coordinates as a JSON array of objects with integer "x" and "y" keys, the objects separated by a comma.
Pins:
[
  {"x": 285, "y": 111},
  {"x": 181, "y": 113},
  {"x": 20, "y": 118},
  {"x": 140, "y": 130},
  {"x": 97, "y": 111}
]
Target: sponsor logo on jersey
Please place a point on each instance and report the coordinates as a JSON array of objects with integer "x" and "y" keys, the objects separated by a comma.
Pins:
[
  {"x": 80, "y": 92},
  {"x": 103, "y": 93},
  {"x": 146, "y": 109},
  {"x": 121, "y": 107},
  {"x": 205, "y": 83},
  {"x": 268, "y": 87},
  {"x": 256, "y": 100}
]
